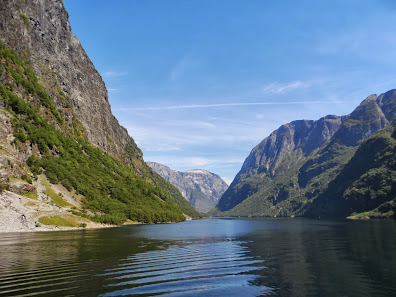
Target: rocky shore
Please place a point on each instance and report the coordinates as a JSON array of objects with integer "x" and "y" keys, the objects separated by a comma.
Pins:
[{"x": 19, "y": 213}]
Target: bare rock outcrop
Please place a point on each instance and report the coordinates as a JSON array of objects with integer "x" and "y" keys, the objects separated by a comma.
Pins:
[{"x": 40, "y": 31}]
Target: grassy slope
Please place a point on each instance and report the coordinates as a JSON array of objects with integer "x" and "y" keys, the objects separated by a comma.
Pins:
[
  {"x": 112, "y": 191},
  {"x": 272, "y": 197}
]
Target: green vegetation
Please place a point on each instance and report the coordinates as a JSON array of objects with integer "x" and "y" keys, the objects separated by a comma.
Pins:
[
  {"x": 279, "y": 196},
  {"x": 367, "y": 183},
  {"x": 347, "y": 174},
  {"x": 25, "y": 20},
  {"x": 65, "y": 221},
  {"x": 31, "y": 195},
  {"x": 27, "y": 178},
  {"x": 386, "y": 210},
  {"x": 55, "y": 198},
  {"x": 111, "y": 190},
  {"x": 30, "y": 203},
  {"x": 23, "y": 76}
]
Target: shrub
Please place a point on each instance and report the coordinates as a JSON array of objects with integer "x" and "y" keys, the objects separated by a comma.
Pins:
[{"x": 111, "y": 190}]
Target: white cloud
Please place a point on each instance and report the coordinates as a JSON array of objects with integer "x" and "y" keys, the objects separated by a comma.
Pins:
[
  {"x": 196, "y": 162},
  {"x": 281, "y": 88},
  {"x": 114, "y": 74},
  {"x": 172, "y": 138},
  {"x": 218, "y": 105},
  {"x": 228, "y": 180},
  {"x": 202, "y": 124}
]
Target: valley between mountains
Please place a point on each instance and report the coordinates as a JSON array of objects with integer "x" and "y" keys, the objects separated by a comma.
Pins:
[{"x": 66, "y": 162}]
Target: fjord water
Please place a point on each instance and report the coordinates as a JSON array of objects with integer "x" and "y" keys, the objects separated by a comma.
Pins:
[{"x": 211, "y": 257}]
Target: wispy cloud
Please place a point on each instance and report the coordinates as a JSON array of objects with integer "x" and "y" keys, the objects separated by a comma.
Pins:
[
  {"x": 114, "y": 74},
  {"x": 197, "y": 162},
  {"x": 182, "y": 67},
  {"x": 281, "y": 88},
  {"x": 223, "y": 105},
  {"x": 376, "y": 42}
]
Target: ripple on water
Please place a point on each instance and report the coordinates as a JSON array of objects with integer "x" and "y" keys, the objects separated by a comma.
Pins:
[
  {"x": 211, "y": 269},
  {"x": 214, "y": 269}
]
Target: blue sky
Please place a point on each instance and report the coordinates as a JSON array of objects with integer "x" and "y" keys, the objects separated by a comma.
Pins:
[{"x": 199, "y": 83}]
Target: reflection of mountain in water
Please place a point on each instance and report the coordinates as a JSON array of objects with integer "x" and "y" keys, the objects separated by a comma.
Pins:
[
  {"x": 218, "y": 257},
  {"x": 326, "y": 258}
]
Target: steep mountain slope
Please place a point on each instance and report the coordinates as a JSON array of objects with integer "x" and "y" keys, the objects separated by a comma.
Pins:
[
  {"x": 286, "y": 184},
  {"x": 58, "y": 122},
  {"x": 367, "y": 182},
  {"x": 279, "y": 154},
  {"x": 40, "y": 31},
  {"x": 201, "y": 188}
]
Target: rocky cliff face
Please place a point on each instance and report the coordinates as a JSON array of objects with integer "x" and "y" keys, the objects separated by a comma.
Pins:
[
  {"x": 59, "y": 130},
  {"x": 282, "y": 150},
  {"x": 40, "y": 30},
  {"x": 295, "y": 165},
  {"x": 298, "y": 135},
  {"x": 201, "y": 188}
]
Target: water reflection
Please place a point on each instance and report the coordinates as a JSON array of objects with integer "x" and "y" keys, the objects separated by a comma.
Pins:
[
  {"x": 209, "y": 269},
  {"x": 333, "y": 258},
  {"x": 217, "y": 257}
]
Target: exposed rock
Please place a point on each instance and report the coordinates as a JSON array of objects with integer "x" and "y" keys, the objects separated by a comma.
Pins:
[
  {"x": 51, "y": 81},
  {"x": 201, "y": 188},
  {"x": 297, "y": 163},
  {"x": 298, "y": 137},
  {"x": 22, "y": 188},
  {"x": 21, "y": 214},
  {"x": 41, "y": 30},
  {"x": 10, "y": 157}
]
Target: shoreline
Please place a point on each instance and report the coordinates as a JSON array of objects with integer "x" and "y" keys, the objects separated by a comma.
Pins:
[{"x": 19, "y": 214}]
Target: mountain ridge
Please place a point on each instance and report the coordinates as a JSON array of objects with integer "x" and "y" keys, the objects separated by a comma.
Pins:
[
  {"x": 200, "y": 187},
  {"x": 279, "y": 178}
]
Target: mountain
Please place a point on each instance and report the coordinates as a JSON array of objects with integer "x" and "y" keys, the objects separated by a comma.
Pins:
[
  {"x": 366, "y": 184},
  {"x": 293, "y": 171},
  {"x": 58, "y": 126},
  {"x": 201, "y": 188},
  {"x": 278, "y": 155}
]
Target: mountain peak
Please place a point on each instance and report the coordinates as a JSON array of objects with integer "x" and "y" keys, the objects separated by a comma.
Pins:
[
  {"x": 291, "y": 167},
  {"x": 200, "y": 187}
]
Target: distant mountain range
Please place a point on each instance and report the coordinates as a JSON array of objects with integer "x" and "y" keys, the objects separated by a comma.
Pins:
[
  {"x": 201, "y": 188},
  {"x": 332, "y": 167}
]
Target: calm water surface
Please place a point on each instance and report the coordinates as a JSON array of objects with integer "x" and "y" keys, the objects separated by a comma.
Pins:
[{"x": 213, "y": 257}]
